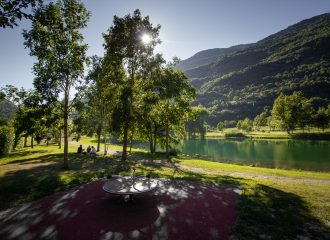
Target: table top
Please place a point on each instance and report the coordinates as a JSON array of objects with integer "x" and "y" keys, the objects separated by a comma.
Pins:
[{"x": 125, "y": 185}]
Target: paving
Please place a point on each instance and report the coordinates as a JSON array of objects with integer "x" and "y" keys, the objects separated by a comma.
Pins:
[{"x": 175, "y": 210}]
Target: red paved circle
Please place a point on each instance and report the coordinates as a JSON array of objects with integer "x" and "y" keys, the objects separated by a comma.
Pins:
[{"x": 175, "y": 210}]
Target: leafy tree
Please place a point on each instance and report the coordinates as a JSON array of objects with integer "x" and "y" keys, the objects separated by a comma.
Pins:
[
  {"x": 287, "y": 110},
  {"x": 7, "y": 136},
  {"x": 29, "y": 118},
  {"x": 321, "y": 119},
  {"x": 257, "y": 122},
  {"x": 176, "y": 94},
  {"x": 247, "y": 124},
  {"x": 239, "y": 124},
  {"x": 124, "y": 47},
  {"x": 55, "y": 41},
  {"x": 263, "y": 119},
  {"x": 10, "y": 11},
  {"x": 220, "y": 126}
]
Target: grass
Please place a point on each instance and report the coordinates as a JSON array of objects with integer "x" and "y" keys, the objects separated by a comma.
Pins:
[
  {"x": 274, "y": 203},
  {"x": 313, "y": 133}
]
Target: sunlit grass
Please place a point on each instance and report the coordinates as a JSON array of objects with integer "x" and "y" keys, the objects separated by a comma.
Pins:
[{"x": 275, "y": 206}]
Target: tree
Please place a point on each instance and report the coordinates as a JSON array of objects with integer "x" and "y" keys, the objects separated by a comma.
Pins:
[
  {"x": 124, "y": 47},
  {"x": 263, "y": 119},
  {"x": 257, "y": 122},
  {"x": 321, "y": 119},
  {"x": 55, "y": 41},
  {"x": 220, "y": 126},
  {"x": 287, "y": 110},
  {"x": 239, "y": 124},
  {"x": 247, "y": 124},
  {"x": 10, "y": 11},
  {"x": 29, "y": 118}
]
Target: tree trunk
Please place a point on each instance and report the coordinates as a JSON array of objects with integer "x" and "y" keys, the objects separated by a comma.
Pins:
[
  {"x": 60, "y": 143},
  {"x": 130, "y": 150},
  {"x": 125, "y": 142},
  {"x": 105, "y": 136},
  {"x": 167, "y": 131},
  {"x": 25, "y": 141},
  {"x": 155, "y": 142},
  {"x": 32, "y": 141},
  {"x": 98, "y": 142},
  {"x": 150, "y": 140},
  {"x": 66, "y": 144}
]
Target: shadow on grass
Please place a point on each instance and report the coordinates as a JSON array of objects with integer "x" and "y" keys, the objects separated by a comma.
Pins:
[
  {"x": 312, "y": 136},
  {"x": 20, "y": 153},
  {"x": 269, "y": 213},
  {"x": 45, "y": 176}
]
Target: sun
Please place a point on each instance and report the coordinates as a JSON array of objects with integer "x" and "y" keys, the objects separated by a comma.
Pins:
[{"x": 146, "y": 38}]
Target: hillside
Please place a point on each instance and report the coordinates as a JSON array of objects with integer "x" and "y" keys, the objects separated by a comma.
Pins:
[
  {"x": 7, "y": 109},
  {"x": 209, "y": 55},
  {"x": 246, "y": 83}
]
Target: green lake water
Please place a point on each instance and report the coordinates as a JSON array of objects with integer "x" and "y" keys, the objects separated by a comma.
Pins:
[{"x": 285, "y": 154}]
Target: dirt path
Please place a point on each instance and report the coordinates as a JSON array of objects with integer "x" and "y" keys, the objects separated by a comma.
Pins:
[{"x": 183, "y": 167}]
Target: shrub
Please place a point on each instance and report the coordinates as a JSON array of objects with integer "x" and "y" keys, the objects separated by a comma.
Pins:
[
  {"x": 7, "y": 136},
  {"x": 174, "y": 152},
  {"x": 234, "y": 134}
]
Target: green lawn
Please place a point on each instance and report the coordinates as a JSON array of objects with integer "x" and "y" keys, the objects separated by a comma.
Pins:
[
  {"x": 274, "y": 202},
  {"x": 313, "y": 133}
]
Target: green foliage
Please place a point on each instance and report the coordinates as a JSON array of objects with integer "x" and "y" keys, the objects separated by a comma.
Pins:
[
  {"x": 220, "y": 126},
  {"x": 7, "y": 137},
  {"x": 134, "y": 89},
  {"x": 289, "y": 110},
  {"x": 174, "y": 152},
  {"x": 197, "y": 124},
  {"x": 246, "y": 83},
  {"x": 10, "y": 11},
  {"x": 7, "y": 109},
  {"x": 55, "y": 41},
  {"x": 234, "y": 135},
  {"x": 321, "y": 119}
]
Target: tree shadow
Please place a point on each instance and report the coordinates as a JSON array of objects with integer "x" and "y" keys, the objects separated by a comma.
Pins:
[{"x": 269, "y": 213}]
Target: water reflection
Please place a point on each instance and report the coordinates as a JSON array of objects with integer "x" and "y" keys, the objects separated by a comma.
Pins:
[{"x": 285, "y": 154}]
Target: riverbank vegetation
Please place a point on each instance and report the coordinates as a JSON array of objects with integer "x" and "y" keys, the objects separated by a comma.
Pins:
[{"x": 279, "y": 203}]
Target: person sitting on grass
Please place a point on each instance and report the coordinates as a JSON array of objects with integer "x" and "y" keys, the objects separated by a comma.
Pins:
[
  {"x": 80, "y": 149},
  {"x": 89, "y": 149},
  {"x": 93, "y": 150}
]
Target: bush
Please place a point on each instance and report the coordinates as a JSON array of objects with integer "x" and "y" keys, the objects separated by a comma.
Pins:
[
  {"x": 174, "y": 152},
  {"x": 234, "y": 135},
  {"x": 7, "y": 136}
]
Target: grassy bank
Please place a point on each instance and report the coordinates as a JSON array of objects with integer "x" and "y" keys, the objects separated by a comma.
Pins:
[
  {"x": 263, "y": 133},
  {"x": 274, "y": 203}
]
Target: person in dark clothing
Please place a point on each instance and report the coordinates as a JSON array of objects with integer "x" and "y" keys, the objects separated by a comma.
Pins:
[{"x": 80, "y": 149}]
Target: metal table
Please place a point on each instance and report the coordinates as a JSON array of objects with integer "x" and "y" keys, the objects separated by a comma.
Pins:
[{"x": 124, "y": 185}]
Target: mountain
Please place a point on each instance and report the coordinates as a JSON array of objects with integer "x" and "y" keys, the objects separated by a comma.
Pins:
[
  {"x": 245, "y": 83},
  {"x": 7, "y": 109},
  {"x": 209, "y": 55}
]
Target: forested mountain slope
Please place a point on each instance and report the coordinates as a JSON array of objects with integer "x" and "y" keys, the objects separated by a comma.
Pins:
[
  {"x": 7, "y": 109},
  {"x": 246, "y": 83},
  {"x": 209, "y": 55}
]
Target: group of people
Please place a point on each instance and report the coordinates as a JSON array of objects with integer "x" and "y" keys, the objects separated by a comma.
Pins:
[{"x": 89, "y": 150}]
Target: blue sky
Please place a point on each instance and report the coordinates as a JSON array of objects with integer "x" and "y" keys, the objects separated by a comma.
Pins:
[{"x": 188, "y": 26}]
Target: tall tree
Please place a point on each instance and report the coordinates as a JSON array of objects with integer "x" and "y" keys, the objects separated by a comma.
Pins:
[
  {"x": 176, "y": 94},
  {"x": 57, "y": 44},
  {"x": 125, "y": 46},
  {"x": 287, "y": 110},
  {"x": 321, "y": 118}
]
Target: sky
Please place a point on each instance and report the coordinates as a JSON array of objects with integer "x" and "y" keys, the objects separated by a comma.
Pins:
[{"x": 187, "y": 27}]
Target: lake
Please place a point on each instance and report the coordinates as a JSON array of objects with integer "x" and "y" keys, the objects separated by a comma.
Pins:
[{"x": 308, "y": 155}]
